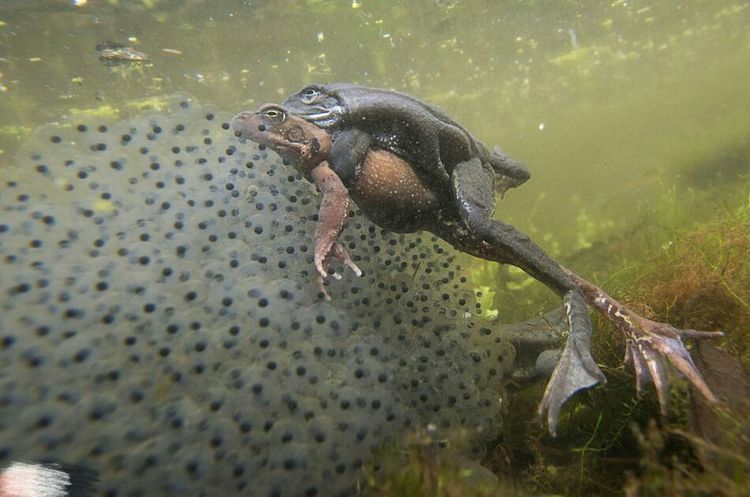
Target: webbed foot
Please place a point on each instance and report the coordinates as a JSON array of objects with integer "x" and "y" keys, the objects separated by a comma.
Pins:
[
  {"x": 338, "y": 251},
  {"x": 648, "y": 343},
  {"x": 576, "y": 369}
]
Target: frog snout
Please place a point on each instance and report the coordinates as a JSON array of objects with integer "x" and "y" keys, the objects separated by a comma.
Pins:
[
  {"x": 242, "y": 115},
  {"x": 241, "y": 124}
]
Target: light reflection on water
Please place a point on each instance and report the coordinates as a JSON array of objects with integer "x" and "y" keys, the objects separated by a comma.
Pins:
[{"x": 605, "y": 102}]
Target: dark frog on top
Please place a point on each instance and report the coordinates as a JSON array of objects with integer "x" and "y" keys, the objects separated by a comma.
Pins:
[
  {"x": 461, "y": 175},
  {"x": 420, "y": 133}
]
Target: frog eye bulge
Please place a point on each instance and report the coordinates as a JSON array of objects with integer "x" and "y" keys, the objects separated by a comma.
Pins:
[
  {"x": 309, "y": 94},
  {"x": 274, "y": 115}
]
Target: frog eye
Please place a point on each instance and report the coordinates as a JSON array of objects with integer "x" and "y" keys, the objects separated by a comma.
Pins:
[
  {"x": 274, "y": 115},
  {"x": 309, "y": 94}
]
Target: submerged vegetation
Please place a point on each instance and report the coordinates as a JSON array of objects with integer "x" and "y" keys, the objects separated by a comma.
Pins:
[
  {"x": 696, "y": 277},
  {"x": 423, "y": 466}
]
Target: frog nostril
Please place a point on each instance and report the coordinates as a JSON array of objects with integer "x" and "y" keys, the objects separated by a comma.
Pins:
[
  {"x": 237, "y": 134},
  {"x": 261, "y": 127}
]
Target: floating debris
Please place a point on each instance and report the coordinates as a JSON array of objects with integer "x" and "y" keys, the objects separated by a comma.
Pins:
[{"x": 114, "y": 54}]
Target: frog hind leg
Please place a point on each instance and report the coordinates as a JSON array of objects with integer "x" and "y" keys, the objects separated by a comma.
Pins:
[
  {"x": 347, "y": 153},
  {"x": 473, "y": 187},
  {"x": 649, "y": 343}
]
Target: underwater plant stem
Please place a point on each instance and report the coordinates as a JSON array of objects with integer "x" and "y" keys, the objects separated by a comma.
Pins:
[
  {"x": 585, "y": 450},
  {"x": 733, "y": 293}
]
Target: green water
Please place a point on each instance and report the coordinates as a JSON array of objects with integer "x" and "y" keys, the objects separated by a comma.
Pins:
[{"x": 606, "y": 102}]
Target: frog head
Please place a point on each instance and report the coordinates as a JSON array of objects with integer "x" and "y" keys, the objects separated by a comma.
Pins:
[
  {"x": 294, "y": 139},
  {"x": 318, "y": 104}
]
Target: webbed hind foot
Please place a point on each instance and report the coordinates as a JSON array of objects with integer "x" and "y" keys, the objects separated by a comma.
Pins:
[
  {"x": 473, "y": 187},
  {"x": 649, "y": 343},
  {"x": 576, "y": 368},
  {"x": 511, "y": 173}
]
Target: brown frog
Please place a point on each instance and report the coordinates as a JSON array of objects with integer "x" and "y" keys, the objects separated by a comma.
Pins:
[{"x": 399, "y": 197}]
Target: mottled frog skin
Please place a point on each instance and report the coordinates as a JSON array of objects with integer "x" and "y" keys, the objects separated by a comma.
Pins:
[{"x": 402, "y": 195}]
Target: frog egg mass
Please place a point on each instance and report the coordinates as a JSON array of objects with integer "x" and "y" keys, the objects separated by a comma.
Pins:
[{"x": 160, "y": 322}]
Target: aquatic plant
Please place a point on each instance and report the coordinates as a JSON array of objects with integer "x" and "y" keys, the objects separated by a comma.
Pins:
[{"x": 421, "y": 465}]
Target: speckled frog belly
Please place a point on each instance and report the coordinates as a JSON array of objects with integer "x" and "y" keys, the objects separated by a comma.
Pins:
[{"x": 392, "y": 194}]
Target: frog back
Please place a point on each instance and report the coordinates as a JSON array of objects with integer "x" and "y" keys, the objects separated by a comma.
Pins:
[{"x": 419, "y": 132}]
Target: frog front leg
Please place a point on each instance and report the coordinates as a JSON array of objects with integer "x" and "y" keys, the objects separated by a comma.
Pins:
[
  {"x": 331, "y": 217},
  {"x": 347, "y": 154}
]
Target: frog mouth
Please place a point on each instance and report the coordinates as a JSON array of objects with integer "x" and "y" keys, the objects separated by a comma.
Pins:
[{"x": 326, "y": 117}]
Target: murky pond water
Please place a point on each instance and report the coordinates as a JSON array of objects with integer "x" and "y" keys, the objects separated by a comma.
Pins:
[
  {"x": 122, "y": 258},
  {"x": 601, "y": 101}
]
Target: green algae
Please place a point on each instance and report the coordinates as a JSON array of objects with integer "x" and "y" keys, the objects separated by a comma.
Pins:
[
  {"x": 663, "y": 471},
  {"x": 422, "y": 466}
]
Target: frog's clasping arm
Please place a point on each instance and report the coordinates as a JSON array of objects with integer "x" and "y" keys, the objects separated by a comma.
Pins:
[{"x": 331, "y": 217}]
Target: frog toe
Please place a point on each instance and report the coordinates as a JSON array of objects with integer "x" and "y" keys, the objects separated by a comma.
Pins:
[
  {"x": 321, "y": 286},
  {"x": 650, "y": 344},
  {"x": 341, "y": 254},
  {"x": 511, "y": 172},
  {"x": 319, "y": 267}
]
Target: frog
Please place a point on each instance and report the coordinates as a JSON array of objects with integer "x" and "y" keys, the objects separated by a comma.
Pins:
[
  {"x": 386, "y": 182},
  {"x": 426, "y": 137}
]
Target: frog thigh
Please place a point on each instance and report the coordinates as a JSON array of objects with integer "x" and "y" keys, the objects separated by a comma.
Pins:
[
  {"x": 473, "y": 187},
  {"x": 453, "y": 147}
]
